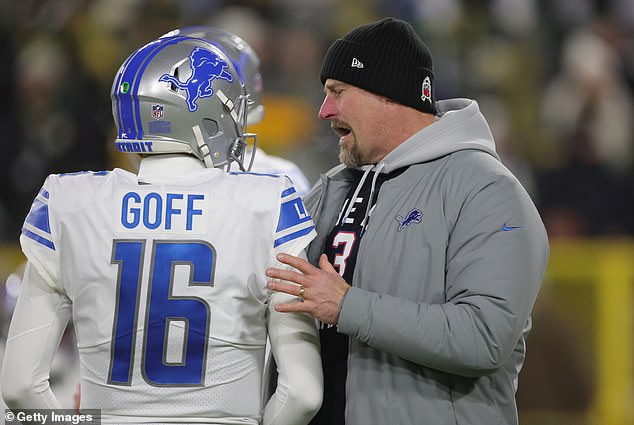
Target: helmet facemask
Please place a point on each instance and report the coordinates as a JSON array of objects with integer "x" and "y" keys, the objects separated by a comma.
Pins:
[{"x": 234, "y": 151}]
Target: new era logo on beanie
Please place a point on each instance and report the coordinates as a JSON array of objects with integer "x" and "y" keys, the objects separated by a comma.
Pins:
[
  {"x": 387, "y": 58},
  {"x": 356, "y": 63}
]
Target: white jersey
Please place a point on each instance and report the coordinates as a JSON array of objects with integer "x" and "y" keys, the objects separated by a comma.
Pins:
[
  {"x": 167, "y": 285},
  {"x": 271, "y": 164}
]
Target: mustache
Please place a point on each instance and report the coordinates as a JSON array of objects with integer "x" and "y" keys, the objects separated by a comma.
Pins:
[{"x": 334, "y": 124}]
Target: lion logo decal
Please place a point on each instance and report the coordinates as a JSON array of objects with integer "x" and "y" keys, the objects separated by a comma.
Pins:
[{"x": 206, "y": 66}]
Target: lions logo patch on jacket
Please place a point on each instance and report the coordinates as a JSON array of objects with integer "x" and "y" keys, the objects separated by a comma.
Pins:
[{"x": 414, "y": 216}]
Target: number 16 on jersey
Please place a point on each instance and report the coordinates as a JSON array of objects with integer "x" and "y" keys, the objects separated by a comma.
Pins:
[{"x": 161, "y": 309}]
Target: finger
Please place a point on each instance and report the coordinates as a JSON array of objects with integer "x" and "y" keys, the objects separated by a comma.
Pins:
[
  {"x": 296, "y": 262},
  {"x": 288, "y": 275},
  {"x": 325, "y": 265},
  {"x": 295, "y": 307},
  {"x": 287, "y": 288}
]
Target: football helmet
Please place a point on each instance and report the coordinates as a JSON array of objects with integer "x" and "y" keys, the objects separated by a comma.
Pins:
[
  {"x": 181, "y": 95},
  {"x": 243, "y": 57}
]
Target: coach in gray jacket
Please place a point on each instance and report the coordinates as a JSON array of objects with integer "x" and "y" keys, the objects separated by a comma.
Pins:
[{"x": 430, "y": 253}]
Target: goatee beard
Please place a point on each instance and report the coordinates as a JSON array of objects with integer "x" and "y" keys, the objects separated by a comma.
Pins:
[{"x": 350, "y": 157}]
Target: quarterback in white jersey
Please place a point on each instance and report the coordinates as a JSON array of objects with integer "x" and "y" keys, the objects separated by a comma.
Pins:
[{"x": 163, "y": 271}]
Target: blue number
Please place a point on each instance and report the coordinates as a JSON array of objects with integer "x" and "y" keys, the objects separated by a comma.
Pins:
[
  {"x": 129, "y": 256},
  {"x": 162, "y": 308}
]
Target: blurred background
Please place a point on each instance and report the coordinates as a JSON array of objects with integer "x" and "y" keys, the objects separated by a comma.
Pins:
[{"x": 555, "y": 79}]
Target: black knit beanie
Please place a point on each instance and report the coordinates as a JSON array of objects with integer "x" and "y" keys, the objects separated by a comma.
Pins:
[{"x": 387, "y": 58}]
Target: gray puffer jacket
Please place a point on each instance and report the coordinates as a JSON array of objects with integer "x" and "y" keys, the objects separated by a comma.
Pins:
[{"x": 447, "y": 274}]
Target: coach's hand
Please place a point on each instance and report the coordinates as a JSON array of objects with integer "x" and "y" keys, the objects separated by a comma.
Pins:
[{"x": 321, "y": 289}]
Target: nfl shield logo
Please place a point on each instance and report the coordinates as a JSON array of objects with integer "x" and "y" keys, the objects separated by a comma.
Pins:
[{"x": 157, "y": 112}]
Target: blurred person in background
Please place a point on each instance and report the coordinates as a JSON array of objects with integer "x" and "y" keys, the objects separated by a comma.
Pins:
[
  {"x": 430, "y": 254},
  {"x": 162, "y": 271},
  {"x": 591, "y": 90},
  {"x": 247, "y": 65},
  {"x": 58, "y": 123},
  {"x": 587, "y": 111}
]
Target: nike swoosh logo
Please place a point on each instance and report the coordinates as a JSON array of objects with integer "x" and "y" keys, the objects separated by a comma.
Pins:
[{"x": 507, "y": 228}]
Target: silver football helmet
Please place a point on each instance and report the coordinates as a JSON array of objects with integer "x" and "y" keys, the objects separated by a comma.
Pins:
[
  {"x": 243, "y": 57},
  {"x": 181, "y": 95}
]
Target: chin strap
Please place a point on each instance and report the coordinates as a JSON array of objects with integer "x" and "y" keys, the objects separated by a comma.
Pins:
[
  {"x": 229, "y": 105},
  {"x": 202, "y": 146}
]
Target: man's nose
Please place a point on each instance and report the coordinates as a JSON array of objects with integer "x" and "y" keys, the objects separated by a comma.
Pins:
[{"x": 327, "y": 109}]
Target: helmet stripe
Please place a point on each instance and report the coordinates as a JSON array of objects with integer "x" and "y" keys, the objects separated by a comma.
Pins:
[
  {"x": 126, "y": 98},
  {"x": 128, "y": 79},
  {"x": 116, "y": 90}
]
